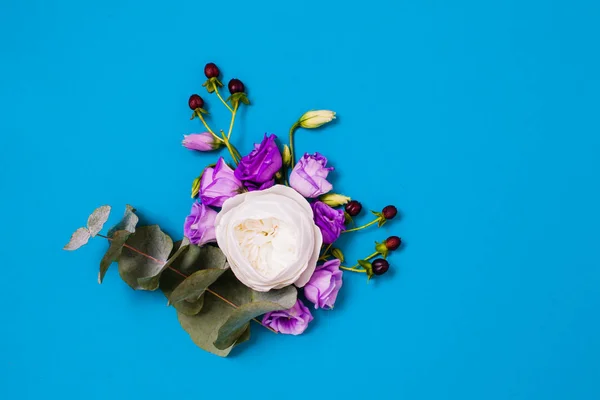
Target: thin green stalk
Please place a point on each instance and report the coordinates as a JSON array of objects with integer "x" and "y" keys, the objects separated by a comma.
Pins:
[
  {"x": 358, "y": 228},
  {"x": 221, "y": 98}
]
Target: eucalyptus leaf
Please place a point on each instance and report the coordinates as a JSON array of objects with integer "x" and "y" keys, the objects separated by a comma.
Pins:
[
  {"x": 97, "y": 219},
  {"x": 128, "y": 222},
  {"x": 191, "y": 259},
  {"x": 262, "y": 303},
  {"x": 203, "y": 328},
  {"x": 153, "y": 242},
  {"x": 170, "y": 280},
  {"x": 79, "y": 238},
  {"x": 114, "y": 251},
  {"x": 195, "y": 285},
  {"x": 152, "y": 282},
  {"x": 118, "y": 235}
]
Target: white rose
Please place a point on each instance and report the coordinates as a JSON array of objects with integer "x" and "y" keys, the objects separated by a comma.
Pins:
[{"x": 269, "y": 238}]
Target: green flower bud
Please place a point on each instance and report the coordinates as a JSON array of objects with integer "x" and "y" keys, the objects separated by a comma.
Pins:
[
  {"x": 196, "y": 187},
  {"x": 337, "y": 253},
  {"x": 334, "y": 199},
  {"x": 286, "y": 156},
  {"x": 315, "y": 119}
]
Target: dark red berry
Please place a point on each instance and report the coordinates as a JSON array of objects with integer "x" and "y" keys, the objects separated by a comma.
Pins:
[
  {"x": 235, "y": 86},
  {"x": 353, "y": 208},
  {"x": 389, "y": 212},
  {"x": 195, "y": 101},
  {"x": 380, "y": 266},
  {"x": 393, "y": 242},
  {"x": 211, "y": 70}
]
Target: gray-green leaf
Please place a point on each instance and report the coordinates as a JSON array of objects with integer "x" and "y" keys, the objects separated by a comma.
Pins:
[
  {"x": 184, "y": 263},
  {"x": 195, "y": 285},
  {"x": 152, "y": 282},
  {"x": 127, "y": 223},
  {"x": 118, "y": 235},
  {"x": 153, "y": 242},
  {"x": 203, "y": 328},
  {"x": 97, "y": 219},
  {"x": 261, "y": 303},
  {"x": 78, "y": 239},
  {"x": 114, "y": 251}
]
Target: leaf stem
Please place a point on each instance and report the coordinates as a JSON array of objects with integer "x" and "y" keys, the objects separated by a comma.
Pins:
[
  {"x": 184, "y": 276},
  {"x": 358, "y": 228},
  {"x": 232, "y": 150},
  {"x": 233, "y": 113},
  {"x": 362, "y": 271},
  {"x": 221, "y": 98},
  {"x": 292, "y": 130}
]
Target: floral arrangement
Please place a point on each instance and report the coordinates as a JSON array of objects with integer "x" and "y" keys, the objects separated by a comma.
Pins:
[{"x": 259, "y": 242}]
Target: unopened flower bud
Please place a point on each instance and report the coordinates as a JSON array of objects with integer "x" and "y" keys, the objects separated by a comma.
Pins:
[
  {"x": 315, "y": 119},
  {"x": 337, "y": 253},
  {"x": 334, "y": 199},
  {"x": 195, "y": 187},
  {"x": 286, "y": 156},
  {"x": 201, "y": 142}
]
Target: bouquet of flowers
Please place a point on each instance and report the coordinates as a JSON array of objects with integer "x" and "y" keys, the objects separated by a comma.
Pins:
[{"x": 259, "y": 242}]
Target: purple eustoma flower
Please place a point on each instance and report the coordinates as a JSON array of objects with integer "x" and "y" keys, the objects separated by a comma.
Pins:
[
  {"x": 199, "y": 226},
  {"x": 218, "y": 184},
  {"x": 329, "y": 220},
  {"x": 257, "y": 170},
  {"x": 309, "y": 176},
  {"x": 290, "y": 322},
  {"x": 323, "y": 287},
  {"x": 201, "y": 142}
]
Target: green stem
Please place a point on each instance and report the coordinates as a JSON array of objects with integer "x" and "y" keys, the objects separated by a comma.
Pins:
[
  {"x": 235, "y": 108},
  {"x": 221, "y": 98},
  {"x": 358, "y": 228},
  {"x": 199, "y": 114},
  {"x": 372, "y": 256},
  {"x": 362, "y": 271},
  {"x": 231, "y": 149},
  {"x": 292, "y": 130}
]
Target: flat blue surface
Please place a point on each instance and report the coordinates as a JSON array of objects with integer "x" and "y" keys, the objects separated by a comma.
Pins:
[{"x": 478, "y": 119}]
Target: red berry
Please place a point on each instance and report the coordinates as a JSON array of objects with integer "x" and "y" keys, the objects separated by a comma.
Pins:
[
  {"x": 353, "y": 208},
  {"x": 389, "y": 212},
  {"x": 380, "y": 266},
  {"x": 235, "y": 86},
  {"x": 195, "y": 101},
  {"x": 211, "y": 70},
  {"x": 393, "y": 242}
]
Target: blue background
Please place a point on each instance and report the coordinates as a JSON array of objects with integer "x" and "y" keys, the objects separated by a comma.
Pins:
[{"x": 479, "y": 120}]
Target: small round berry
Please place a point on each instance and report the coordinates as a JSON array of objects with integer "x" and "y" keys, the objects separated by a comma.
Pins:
[
  {"x": 380, "y": 266},
  {"x": 211, "y": 70},
  {"x": 393, "y": 242},
  {"x": 195, "y": 101},
  {"x": 353, "y": 208},
  {"x": 235, "y": 86},
  {"x": 389, "y": 212}
]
